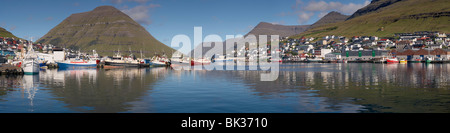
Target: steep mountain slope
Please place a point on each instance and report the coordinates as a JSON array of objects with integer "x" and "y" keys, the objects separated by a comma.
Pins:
[
  {"x": 264, "y": 28},
  {"x": 6, "y": 33},
  {"x": 375, "y": 5},
  {"x": 332, "y": 17},
  {"x": 105, "y": 29},
  {"x": 386, "y": 19}
]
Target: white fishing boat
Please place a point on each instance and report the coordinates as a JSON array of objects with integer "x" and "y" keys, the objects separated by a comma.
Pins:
[
  {"x": 158, "y": 61},
  {"x": 30, "y": 65},
  {"x": 118, "y": 61}
]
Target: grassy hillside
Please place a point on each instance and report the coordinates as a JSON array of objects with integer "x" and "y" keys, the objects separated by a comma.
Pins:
[
  {"x": 5, "y": 33},
  {"x": 402, "y": 16}
]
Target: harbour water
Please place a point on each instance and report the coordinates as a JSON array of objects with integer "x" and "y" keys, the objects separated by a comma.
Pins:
[{"x": 300, "y": 88}]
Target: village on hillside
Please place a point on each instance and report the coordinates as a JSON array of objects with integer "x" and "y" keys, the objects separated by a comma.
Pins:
[
  {"x": 423, "y": 45},
  {"x": 417, "y": 46}
]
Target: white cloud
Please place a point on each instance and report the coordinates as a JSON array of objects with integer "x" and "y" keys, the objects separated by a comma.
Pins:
[
  {"x": 141, "y": 13},
  {"x": 348, "y": 8},
  {"x": 304, "y": 17}
]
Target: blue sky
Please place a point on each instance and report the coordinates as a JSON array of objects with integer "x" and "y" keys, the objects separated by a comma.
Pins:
[{"x": 32, "y": 19}]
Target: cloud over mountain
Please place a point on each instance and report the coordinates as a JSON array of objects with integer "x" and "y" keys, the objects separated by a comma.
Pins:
[{"x": 141, "y": 13}]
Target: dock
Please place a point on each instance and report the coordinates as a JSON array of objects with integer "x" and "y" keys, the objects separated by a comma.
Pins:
[
  {"x": 363, "y": 61},
  {"x": 6, "y": 69}
]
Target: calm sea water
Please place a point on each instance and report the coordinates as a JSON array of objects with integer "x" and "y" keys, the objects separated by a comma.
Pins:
[{"x": 300, "y": 88}]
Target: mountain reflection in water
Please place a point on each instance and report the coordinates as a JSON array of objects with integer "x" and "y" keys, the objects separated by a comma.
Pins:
[{"x": 306, "y": 88}]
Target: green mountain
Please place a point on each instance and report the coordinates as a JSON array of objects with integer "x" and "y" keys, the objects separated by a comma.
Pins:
[
  {"x": 385, "y": 17},
  {"x": 264, "y": 28},
  {"x": 5, "y": 33},
  {"x": 106, "y": 30}
]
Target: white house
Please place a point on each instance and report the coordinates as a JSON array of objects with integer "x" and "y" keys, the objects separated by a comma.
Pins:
[
  {"x": 323, "y": 52},
  {"x": 333, "y": 56}
]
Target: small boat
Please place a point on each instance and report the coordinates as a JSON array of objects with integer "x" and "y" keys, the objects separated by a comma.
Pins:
[
  {"x": 428, "y": 60},
  {"x": 314, "y": 60},
  {"x": 77, "y": 63},
  {"x": 403, "y": 61},
  {"x": 393, "y": 60},
  {"x": 415, "y": 61},
  {"x": 158, "y": 61},
  {"x": 200, "y": 61},
  {"x": 30, "y": 65}
]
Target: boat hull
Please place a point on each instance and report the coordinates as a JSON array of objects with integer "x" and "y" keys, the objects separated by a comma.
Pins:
[
  {"x": 200, "y": 63},
  {"x": 30, "y": 68},
  {"x": 403, "y": 62},
  {"x": 313, "y": 60},
  {"x": 392, "y": 61},
  {"x": 69, "y": 65},
  {"x": 107, "y": 63}
]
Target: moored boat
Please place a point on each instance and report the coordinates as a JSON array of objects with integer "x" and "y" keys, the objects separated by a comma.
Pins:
[
  {"x": 314, "y": 60},
  {"x": 158, "y": 61},
  {"x": 200, "y": 61},
  {"x": 128, "y": 61},
  {"x": 77, "y": 63},
  {"x": 393, "y": 60},
  {"x": 30, "y": 66},
  {"x": 415, "y": 61},
  {"x": 403, "y": 61}
]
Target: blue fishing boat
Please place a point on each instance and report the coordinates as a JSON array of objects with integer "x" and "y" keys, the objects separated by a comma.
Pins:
[{"x": 77, "y": 63}]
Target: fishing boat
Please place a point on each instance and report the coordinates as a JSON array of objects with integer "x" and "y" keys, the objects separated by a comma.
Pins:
[
  {"x": 200, "y": 61},
  {"x": 158, "y": 61},
  {"x": 393, "y": 60},
  {"x": 118, "y": 61},
  {"x": 77, "y": 63},
  {"x": 30, "y": 65}
]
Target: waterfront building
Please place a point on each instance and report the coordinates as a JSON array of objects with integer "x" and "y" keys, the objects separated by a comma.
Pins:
[
  {"x": 363, "y": 55},
  {"x": 438, "y": 53}
]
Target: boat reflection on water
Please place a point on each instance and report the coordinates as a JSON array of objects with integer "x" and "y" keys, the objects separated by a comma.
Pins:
[
  {"x": 300, "y": 87},
  {"x": 100, "y": 90},
  {"x": 30, "y": 87}
]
